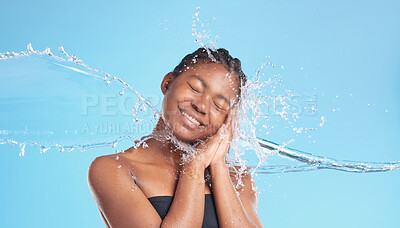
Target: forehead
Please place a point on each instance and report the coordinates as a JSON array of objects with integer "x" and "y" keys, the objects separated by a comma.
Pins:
[{"x": 214, "y": 75}]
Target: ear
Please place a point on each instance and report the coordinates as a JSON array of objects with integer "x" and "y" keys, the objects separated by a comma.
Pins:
[{"x": 167, "y": 82}]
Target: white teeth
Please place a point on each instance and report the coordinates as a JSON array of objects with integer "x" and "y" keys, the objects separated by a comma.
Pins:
[{"x": 191, "y": 118}]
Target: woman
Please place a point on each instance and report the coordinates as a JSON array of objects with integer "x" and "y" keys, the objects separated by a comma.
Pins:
[{"x": 163, "y": 184}]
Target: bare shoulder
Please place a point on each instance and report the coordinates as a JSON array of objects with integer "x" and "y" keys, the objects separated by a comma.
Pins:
[
  {"x": 106, "y": 172},
  {"x": 245, "y": 184},
  {"x": 105, "y": 164},
  {"x": 111, "y": 167},
  {"x": 116, "y": 193},
  {"x": 111, "y": 173},
  {"x": 243, "y": 178},
  {"x": 247, "y": 191}
]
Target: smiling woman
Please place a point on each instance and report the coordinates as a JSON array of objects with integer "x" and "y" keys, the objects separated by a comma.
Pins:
[
  {"x": 164, "y": 183},
  {"x": 197, "y": 102}
]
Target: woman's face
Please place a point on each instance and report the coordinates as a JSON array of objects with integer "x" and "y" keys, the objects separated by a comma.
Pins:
[{"x": 197, "y": 102}]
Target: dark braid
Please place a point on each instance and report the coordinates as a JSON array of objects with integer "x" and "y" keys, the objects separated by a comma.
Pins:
[{"x": 220, "y": 56}]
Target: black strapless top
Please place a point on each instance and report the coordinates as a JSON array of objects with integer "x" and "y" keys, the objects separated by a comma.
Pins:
[{"x": 163, "y": 203}]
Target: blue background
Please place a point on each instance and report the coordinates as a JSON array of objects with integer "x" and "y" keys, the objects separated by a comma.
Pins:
[{"x": 349, "y": 49}]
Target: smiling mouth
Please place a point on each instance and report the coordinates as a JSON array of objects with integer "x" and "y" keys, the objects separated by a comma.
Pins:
[{"x": 193, "y": 120}]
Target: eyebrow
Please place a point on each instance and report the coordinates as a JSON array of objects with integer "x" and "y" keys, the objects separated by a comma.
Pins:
[
  {"x": 200, "y": 79},
  {"x": 205, "y": 85},
  {"x": 225, "y": 99}
]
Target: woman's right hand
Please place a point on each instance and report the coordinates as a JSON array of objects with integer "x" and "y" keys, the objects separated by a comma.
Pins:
[
  {"x": 200, "y": 158},
  {"x": 207, "y": 149},
  {"x": 213, "y": 150},
  {"x": 204, "y": 152}
]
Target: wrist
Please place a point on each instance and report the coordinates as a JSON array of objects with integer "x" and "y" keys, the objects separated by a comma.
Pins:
[
  {"x": 193, "y": 169},
  {"x": 218, "y": 168}
]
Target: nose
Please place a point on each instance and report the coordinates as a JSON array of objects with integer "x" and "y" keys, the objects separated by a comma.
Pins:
[{"x": 200, "y": 105}]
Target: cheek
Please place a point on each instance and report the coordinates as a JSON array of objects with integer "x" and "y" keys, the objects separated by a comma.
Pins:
[
  {"x": 216, "y": 120},
  {"x": 167, "y": 107},
  {"x": 170, "y": 98}
]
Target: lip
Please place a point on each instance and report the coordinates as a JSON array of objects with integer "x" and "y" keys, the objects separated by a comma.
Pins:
[{"x": 188, "y": 122}]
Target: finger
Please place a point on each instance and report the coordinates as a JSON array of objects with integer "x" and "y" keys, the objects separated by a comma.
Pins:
[
  {"x": 210, "y": 143},
  {"x": 230, "y": 123},
  {"x": 233, "y": 114}
]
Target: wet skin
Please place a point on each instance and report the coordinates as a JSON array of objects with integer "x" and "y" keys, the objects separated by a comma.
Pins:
[
  {"x": 206, "y": 92},
  {"x": 196, "y": 104}
]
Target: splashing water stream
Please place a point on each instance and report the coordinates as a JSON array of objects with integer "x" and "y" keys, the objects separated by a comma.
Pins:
[{"x": 254, "y": 108}]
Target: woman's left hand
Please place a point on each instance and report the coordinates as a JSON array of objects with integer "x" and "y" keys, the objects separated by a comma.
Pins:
[{"x": 223, "y": 137}]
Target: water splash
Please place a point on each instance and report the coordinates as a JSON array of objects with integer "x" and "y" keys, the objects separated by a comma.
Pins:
[
  {"x": 203, "y": 37},
  {"x": 315, "y": 162},
  {"x": 32, "y": 94},
  {"x": 278, "y": 102},
  {"x": 96, "y": 74}
]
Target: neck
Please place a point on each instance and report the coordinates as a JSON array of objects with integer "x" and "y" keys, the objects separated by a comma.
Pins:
[{"x": 162, "y": 143}]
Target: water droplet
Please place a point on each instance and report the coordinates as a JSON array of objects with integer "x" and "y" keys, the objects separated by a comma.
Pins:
[
  {"x": 43, "y": 149},
  {"x": 323, "y": 121},
  {"x": 134, "y": 112},
  {"x": 119, "y": 166},
  {"x": 60, "y": 148},
  {"x": 137, "y": 120},
  {"x": 22, "y": 149},
  {"x": 30, "y": 48},
  {"x": 47, "y": 51}
]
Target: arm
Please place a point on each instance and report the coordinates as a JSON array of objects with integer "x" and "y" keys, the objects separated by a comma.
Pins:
[
  {"x": 234, "y": 210},
  {"x": 187, "y": 208}
]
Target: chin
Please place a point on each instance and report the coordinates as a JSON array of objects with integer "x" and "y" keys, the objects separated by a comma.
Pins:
[
  {"x": 182, "y": 132},
  {"x": 189, "y": 136},
  {"x": 185, "y": 136}
]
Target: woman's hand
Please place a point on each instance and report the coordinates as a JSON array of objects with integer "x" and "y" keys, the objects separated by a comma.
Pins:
[
  {"x": 217, "y": 146},
  {"x": 212, "y": 151},
  {"x": 205, "y": 152},
  {"x": 224, "y": 135}
]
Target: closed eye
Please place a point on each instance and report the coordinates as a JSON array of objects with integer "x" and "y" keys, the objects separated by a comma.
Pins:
[
  {"x": 218, "y": 107},
  {"x": 192, "y": 88}
]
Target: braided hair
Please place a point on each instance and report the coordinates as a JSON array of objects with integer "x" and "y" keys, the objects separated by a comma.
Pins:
[{"x": 219, "y": 56}]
